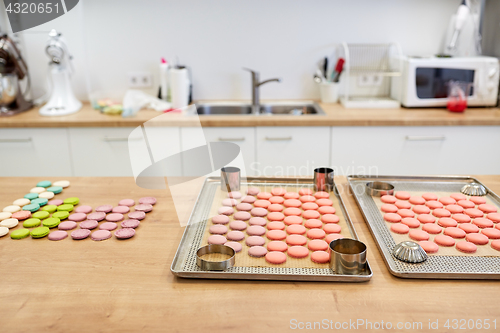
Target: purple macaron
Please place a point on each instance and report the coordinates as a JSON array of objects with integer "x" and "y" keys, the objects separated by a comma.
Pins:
[
  {"x": 124, "y": 233},
  {"x": 108, "y": 226},
  {"x": 104, "y": 208},
  {"x": 89, "y": 224},
  {"x": 80, "y": 234},
  {"x": 97, "y": 216},
  {"x": 143, "y": 208},
  {"x": 136, "y": 215}
]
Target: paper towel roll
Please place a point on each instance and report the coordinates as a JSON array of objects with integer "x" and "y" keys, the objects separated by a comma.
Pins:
[{"x": 179, "y": 87}]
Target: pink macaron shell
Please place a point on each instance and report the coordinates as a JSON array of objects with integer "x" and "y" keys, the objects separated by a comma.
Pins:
[
  {"x": 89, "y": 224},
  {"x": 432, "y": 228},
  {"x": 58, "y": 235},
  {"x": 426, "y": 218},
  {"x": 253, "y": 191},
  {"x": 466, "y": 204},
  {"x": 495, "y": 217},
  {"x": 234, "y": 195},
  {"x": 257, "y": 221},
  {"x": 144, "y": 208},
  {"x": 428, "y": 246},
  {"x": 411, "y": 222},
  {"x": 244, "y": 207},
  {"x": 389, "y": 208},
  {"x": 400, "y": 228},
  {"x": 77, "y": 217},
  {"x": 147, "y": 200},
  {"x": 136, "y": 215},
  {"x": 67, "y": 225},
  {"x": 120, "y": 209},
  {"x": 488, "y": 208},
  {"x": 482, "y": 222},
  {"x": 83, "y": 209},
  {"x": 114, "y": 217},
  {"x": 417, "y": 200},
  {"x": 217, "y": 229},
  {"x": 461, "y": 218},
  {"x": 257, "y": 251},
  {"x": 100, "y": 235},
  {"x": 237, "y": 247},
  {"x": 235, "y": 235},
  {"x": 455, "y": 209},
  {"x": 419, "y": 235},
  {"x": 242, "y": 216},
  {"x": 388, "y": 199},
  {"x": 491, "y": 233},
  {"x": 444, "y": 240},
  {"x": 108, "y": 226},
  {"x": 104, "y": 208},
  {"x": 130, "y": 223},
  {"x": 224, "y": 210},
  {"x": 126, "y": 202},
  {"x": 401, "y": 204},
  {"x": 80, "y": 234},
  {"x": 447, "y": 222},
  {"x": 402, "y": 195},
  {"x": 454, "y": 232},
  {"x": 466, "y": 247},
  {"x": 238, "y": 225},
  {"x": 433, "y": 204},
  {"x": 217, "y": 219},
  {"x": 255, "y": 241},
  {"x": 447, "y": 201},
  {"x": 429, "y": 196},
  {"x": 478, "y": 200},
  {"x": 291, "y": 195},
  {"x": 458, "y": 196},
  {"x": 97, "y": 216},
  {"x": 217, "y": 239},
  {"x": 124, "y": 233},
  {"x": 55, "y": 202},
  {"x": 249, "y": 199},
  {"x": 21, "y": 215},
  {"x": 469, "y": 228}
]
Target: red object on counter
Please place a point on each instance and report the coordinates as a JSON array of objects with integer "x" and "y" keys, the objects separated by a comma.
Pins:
[{"x": 456, "y": 105}]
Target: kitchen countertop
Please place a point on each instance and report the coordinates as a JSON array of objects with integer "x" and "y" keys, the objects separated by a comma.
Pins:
[
  {"x": 336, "y": 115},
  {"x": 120, "y": 286}
]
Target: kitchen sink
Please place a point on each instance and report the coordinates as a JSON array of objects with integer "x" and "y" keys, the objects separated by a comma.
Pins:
[{"x": 266, "y": 109}]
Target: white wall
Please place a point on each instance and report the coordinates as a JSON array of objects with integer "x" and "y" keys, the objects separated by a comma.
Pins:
[{"x": 279, "y": 38}]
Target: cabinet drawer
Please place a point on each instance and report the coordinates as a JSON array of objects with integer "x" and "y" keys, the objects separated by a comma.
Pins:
[
  {"x": 288, "y": 151},
  {"x": 415, "y": 150},
  {"x": 34, "y": 152},
  {"x": 244, "y": 137},
  {"x": 100, "y": 151}
]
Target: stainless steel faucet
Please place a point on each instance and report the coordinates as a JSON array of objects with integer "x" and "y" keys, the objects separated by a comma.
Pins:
[{"x": 255, "y": 89}]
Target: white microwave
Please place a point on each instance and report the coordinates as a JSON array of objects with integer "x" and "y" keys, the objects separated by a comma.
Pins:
[{"x": 424, "y": 81}]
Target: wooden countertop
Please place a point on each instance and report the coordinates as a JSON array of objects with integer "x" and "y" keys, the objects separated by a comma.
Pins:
[
  {"x": 127, "y": 286},
  {"x": 336, "y": 115}
]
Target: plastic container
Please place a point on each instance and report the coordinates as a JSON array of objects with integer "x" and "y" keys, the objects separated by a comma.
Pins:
[
  {"x": 107, "y": 101},
  {"x": 329, "y": 92}
]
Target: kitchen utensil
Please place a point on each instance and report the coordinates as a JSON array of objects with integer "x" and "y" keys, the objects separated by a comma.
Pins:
[
  {"x": 184, "y": 263},
  {"x": 230, "y": 178},
  {"x": 222, "y": 265},
  {"x": 62, "y": 99},
  {"x": 323, "y": 179},
  {"x": 409, "y": 252},
  {"x": 474, "y": 189},
  {"x": 379, "y": 189},
  {"x": 12, "y": 69},
  {"x": 347, "y": 256},
  {"x": 339, "y": 67},
  {"x": 437, "y": 266}
]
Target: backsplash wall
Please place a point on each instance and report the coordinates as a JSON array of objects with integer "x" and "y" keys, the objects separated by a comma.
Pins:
[{"x": 216, "y": 38}]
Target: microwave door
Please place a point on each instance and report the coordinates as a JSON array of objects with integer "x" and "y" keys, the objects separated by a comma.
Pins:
[{"x": 432, "y": 83}]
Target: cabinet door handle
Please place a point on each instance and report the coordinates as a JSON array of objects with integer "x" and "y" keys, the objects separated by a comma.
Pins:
[
  {"x": 118, "y": 139},
  {"x": 284, "y": 138},
  {"x": 425, "y": 138},
  {"x": 16, "y": 140},
  {"x": 232, "y": 139}
]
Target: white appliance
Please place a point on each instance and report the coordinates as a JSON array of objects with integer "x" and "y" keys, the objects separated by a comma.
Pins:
[
  {"x": 424, "y": 81},
  {"x": 62, "y": 99}
]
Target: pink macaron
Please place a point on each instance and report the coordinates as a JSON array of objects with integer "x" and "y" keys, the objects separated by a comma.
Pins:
[
  {"x": 126, "y": 202},
  {"x": 114, "y": 217},
  {"x": 144, "y": 208},
  {"x": 124, "y": 233},
  {"x": 58, "y": 235},
  {"x": 104, "y": 208},
  {"x": 137, "y": 215},
  {"x": 130, "y": 223},
  {"x": 120, "y": 209},
  {"x": 80, "y": 234},
  {"x": 108, "y": 226},
  {"x": 100, "y": 235},
  {"x": 83, "y": 209},
  {"x": 77, "y": 217},
  {"x": 147, "y": 200}
]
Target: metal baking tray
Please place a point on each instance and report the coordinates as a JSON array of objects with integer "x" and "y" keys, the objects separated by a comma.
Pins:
[
  {"x": 184, "y": 263},
  {"x": 435, "y": 267}
]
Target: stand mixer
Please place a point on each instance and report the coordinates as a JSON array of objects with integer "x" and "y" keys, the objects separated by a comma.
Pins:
[
  {"x": 62, "y": 100},
  {"x": 12, "y": 69}
]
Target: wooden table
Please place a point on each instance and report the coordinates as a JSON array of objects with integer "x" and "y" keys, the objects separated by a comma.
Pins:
[{"x": 122, "y": 286}]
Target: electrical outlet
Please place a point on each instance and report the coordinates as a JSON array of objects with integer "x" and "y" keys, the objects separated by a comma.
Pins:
[
  {"x": 369, "y": 80},
  {"x": 140, "y": 79}
]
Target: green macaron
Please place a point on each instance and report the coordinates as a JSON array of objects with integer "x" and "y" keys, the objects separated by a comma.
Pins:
[
  {"x": 55, "y": 189},
  {"x": 19, "y": 234},
  {"x": 44, "y": 183},
  {"x": 49, "y": 208},
  {"x": 61, "y": 215},
  {"x": 40, "y": 201},
  {"x": 65, "y": 208},
  {"x": 40, "y": 215},
  {"x": 31, "y": 223},
  {"x": 72, "y": 201},
  {"x": 33, "y": 207},
  {"x": 51, "y": 222},
  {"x": 40, "y": 232},
  {"x": 31, "y": 196}
]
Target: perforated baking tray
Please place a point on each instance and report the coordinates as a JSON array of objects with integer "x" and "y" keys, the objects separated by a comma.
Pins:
[
  {"x": 436, "y": 266},
  {"x": 184, "y": 263}
]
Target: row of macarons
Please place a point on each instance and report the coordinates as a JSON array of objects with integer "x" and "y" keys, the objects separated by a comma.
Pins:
[{"x": 79, "y": 234}]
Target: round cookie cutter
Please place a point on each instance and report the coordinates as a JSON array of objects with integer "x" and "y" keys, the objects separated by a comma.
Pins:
[
  {"x": 323, "y": 179},
  {"x": 379, "y": 189},
  {"x": 230, "y": 178},
  {"x": 348, "y": 256},
  {"x": 207, "y": 265}
]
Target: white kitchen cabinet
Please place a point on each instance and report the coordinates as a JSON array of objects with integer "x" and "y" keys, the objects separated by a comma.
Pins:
[
  {"x": 244, "y": 137},
  {"x": 34, "y": 152},
  {"x": 100, "y": 151},
  {"x": 288, "y": 151},
  {"x": 416, "y": 150}
]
